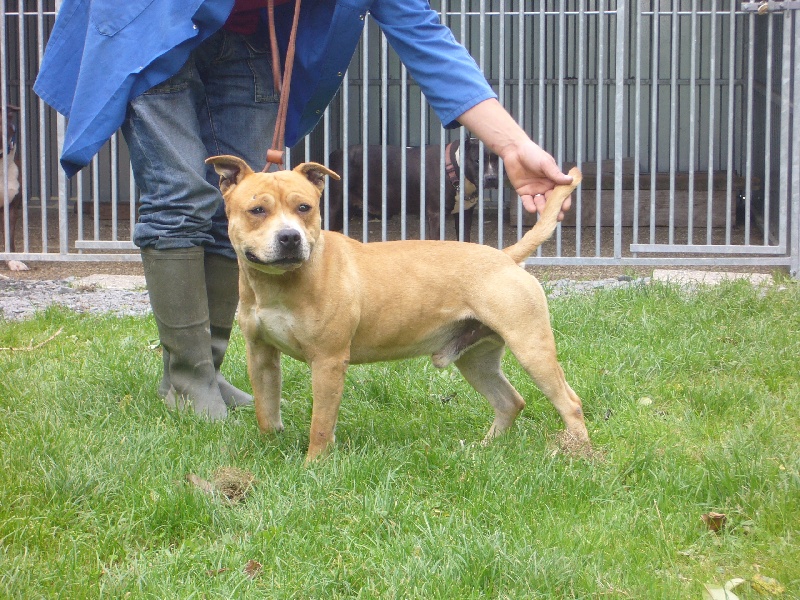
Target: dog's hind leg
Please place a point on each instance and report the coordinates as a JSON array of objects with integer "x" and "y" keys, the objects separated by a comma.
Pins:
[
  {"x": 536, "y": 352},
  {"x": 480, "y": 366}
]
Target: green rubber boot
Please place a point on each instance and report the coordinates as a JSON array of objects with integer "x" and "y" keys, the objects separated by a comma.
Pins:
[
  {"x": 176, "y": 286},
  {"x": 222, "y": 287}
]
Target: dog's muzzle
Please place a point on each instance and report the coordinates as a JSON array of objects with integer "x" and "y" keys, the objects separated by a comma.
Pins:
[
  {"x": 490, "y": 181},
  {"x": 288, "y": 252}
]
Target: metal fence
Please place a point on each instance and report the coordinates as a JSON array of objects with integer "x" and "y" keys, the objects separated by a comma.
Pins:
[{"x": 682, "y": 114}]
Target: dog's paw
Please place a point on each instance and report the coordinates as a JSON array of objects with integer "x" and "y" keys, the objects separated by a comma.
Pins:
[{"x": 17, "y": 265}]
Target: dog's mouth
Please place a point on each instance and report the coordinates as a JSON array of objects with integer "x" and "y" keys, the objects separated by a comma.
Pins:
[{"x": 283, "y": 263}]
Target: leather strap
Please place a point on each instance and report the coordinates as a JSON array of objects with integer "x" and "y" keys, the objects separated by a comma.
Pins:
[
  {"x": 275, "y": 153},
  {"x": 451, "y": 165}
]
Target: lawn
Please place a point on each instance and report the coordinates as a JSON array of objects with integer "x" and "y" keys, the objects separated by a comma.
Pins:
[{"x": 690, "y": 398}]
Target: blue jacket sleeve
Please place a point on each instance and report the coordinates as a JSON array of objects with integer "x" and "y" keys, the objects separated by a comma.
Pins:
[{"x": 448, "y": 76}]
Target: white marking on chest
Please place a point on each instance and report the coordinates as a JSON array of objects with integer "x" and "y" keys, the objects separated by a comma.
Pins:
[{"x": 277, "y": 325}]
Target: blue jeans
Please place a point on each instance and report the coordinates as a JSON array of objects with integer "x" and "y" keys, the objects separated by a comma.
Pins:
[{"x": 222, "y": 101}]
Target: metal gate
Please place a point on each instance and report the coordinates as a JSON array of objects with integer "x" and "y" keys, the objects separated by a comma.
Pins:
[{"x": 684, "y": 116}]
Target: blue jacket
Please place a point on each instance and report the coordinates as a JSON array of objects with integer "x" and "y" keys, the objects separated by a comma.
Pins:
[{"x": 103, "y": 53}]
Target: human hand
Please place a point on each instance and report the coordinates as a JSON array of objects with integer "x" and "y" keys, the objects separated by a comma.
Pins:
[{"x": 534, "y": 173}]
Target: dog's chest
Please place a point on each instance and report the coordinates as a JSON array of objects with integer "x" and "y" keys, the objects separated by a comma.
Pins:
[
  {"x": 276, "y": 326},
  {"x": 13, "y": 179}
]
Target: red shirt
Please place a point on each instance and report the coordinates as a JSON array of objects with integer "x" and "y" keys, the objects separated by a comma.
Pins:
[{"x": 245, "y": 15}]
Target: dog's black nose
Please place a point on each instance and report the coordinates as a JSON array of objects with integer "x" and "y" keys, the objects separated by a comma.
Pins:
[
  {"x": 490, "y": 181},
  {"x": 289, "y": 239}
]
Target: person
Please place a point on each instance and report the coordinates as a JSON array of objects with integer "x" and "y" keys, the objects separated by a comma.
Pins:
[{"x": 189, "y": 79}]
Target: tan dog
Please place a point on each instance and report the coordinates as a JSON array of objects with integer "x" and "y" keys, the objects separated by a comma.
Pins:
[{"x": 332, "y": 301}]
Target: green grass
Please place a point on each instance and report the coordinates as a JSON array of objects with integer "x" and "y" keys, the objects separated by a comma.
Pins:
[{"x": 94, "y": 502}]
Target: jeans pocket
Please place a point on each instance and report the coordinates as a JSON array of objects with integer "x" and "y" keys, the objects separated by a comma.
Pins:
[
  {"x": 178, "y": 82},
  {"x": 260, "y": 62}
]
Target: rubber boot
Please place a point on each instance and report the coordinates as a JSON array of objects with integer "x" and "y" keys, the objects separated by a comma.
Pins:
[
  {"x": 176, "y": 286},
  {"x": 222, "y": 287}
]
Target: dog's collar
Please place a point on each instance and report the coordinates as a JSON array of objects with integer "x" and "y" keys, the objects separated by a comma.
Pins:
[
  {"x": 451, "y": 164},
  {"x": 452, "y": 159}
]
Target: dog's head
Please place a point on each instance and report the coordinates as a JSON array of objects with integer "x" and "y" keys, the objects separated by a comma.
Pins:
[
  {"x": 273, "y": 218},
  {"x": 471, "y": 164}
]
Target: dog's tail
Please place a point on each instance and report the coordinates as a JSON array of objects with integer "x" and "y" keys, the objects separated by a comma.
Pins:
[{"x": 547, "y": 222}]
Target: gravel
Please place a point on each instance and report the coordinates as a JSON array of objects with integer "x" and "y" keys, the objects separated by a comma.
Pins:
[
  {"x": 124, "y": 295},
  {"x": 20, "y": 299}
]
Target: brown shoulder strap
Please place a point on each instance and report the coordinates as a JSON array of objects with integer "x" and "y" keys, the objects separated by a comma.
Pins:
[{"x": 275, "y": 153}]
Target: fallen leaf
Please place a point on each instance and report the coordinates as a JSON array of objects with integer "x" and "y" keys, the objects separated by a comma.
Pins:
[
  {"x": 252, "y": 569},
  {"x": 766, "y": 586},
  {"x": 714, "y": 521},
  {"x": 645, "y": 401},
  {"x": 718, "y": 592}
]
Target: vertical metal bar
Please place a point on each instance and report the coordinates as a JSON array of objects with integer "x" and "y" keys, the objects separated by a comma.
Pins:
[
  {"x": 619, "y": 116},
  {"x": 768, "y": 131},
  {"x": 482, "y": 65},
  {"x": 795, "y": 253},
  {"x": 712, "y": 89},
  {"x": 731, "y": 95},
  {"x": 461, "y": 196},
  {"x": 345, "y": 174},
  {"x": 96, "y": 196},
  {"x": 521, "y": 91},
  {"x": 654, "y": 78},
  {"x": 673, "y": 118},
  {"x": 44, "y": 191},
  {"x": 580, "y": 121},
  {"x": 786, "y": 126},
  {"x": 423, "y": 136},
  {"x": 79, "y": 206},
  {"x": 403, "y": 150},
  {"x": 442, "y": 175},
  {"x": 442, "y": 144},
  {"x": 692, "y": 123},
  {"x": 601, "y": 57},
  {"x": 501, "y": 95},
  {"x": 637, "y": 120},
  {"x": 365, "y": 130},
  {"x": 114, "y": 186},
  {"x": 560, "y": 121},
  {"x": 63, "y": 194},
  {"x": 4, "y": 139},
  {"x": 748, "y": 176},
  {"x": 384, "y": 134},
  {"x": 326, "y": 149},
  {"x": 22, "y": 146}
]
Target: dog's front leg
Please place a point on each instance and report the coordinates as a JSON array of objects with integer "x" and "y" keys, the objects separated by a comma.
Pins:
[
  {"x": 264, "y": 367},
  {"x": 327, "y": 383}
]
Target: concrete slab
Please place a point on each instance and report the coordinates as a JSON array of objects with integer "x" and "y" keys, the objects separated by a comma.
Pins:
[
  {"x": 684, "y": 277},
  {"x": 111, "y": 282}
]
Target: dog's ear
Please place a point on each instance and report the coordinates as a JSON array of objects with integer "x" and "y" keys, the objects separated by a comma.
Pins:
[
  {"x": 315, "y": 173},
  {"x": 231, "y": 170}
]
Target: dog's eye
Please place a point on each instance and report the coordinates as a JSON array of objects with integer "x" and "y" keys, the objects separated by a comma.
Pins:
[
  {"x": 304, "y": 208},
  {"x": 257, "y": 210}
]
